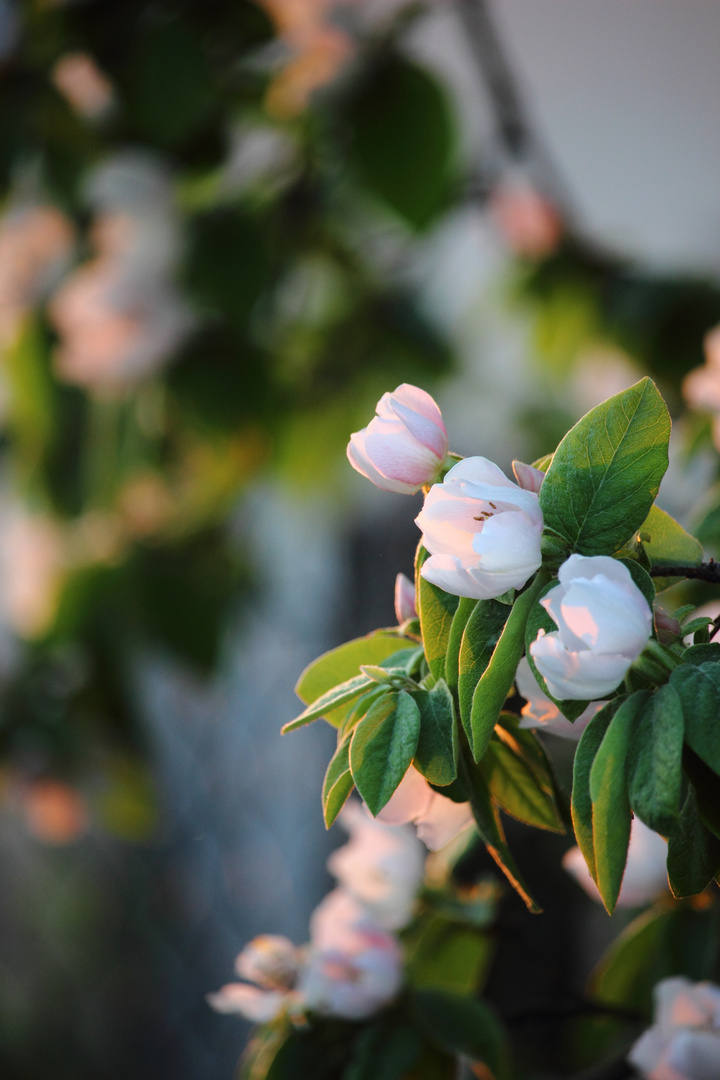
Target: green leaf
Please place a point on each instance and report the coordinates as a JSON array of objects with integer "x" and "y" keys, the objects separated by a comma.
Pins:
[
  {"x": 384, "y": 1050},
  {"x": 479, "y": 639},
  {"x": 641, "y": 578},
  {"x": 699, "y": 692},
  {"x": 606, "y": 472},
  {"x": 402, "y": 139},
  {"x": 514, "y": 786},
  {"x": 333, "y": 699},
  {"x": 707, "y": 789},
  {"x": 340, "y": 664},
  {"x": 702, "y": 654},
  {"x": 611, "y": 816},
  {"x": 694, "y": 854},
  {"x": 622, "y": 971},
  {"x": 539, "y": 619},
  {"x": 445, "y": 955},
  {"x": 338, "y": 782},
  {"x": 669, "y": 544},
  {"x": 383, "y": 746},
  {"x": 655, "y": 762},
  {"x": 436, "y": 610},
  {"x": 497, "y": 680},
  {"x": 437, "y": 748},
  {"x": 487, "y": 821},
  {"x": 587, "y": 748},
  {"x": 457, "y": 630},
  {"x": 465, "y": 1025}
]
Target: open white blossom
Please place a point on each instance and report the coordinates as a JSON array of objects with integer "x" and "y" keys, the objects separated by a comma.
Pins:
[
  {"x": 482, "y": 531},
  {"x": 542, "y": 714}
]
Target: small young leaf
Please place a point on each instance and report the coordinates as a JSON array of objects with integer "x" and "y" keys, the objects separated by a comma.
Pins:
[
  {"x": 436, "y": 609},
  {"x": 338, "y": 782},
  {"x": 611, "y": 816},
  {"x": 655, "y": 762},
  {"x": 588, "y": 747},
  {"x": 606, "y": 472},
  {"x": 437, "y": 749},
  {"x": 693, "y": 855},
  {"x": 479, "y": 639},
  {"x": 333, "y": 699},
  {"x": 699, "y": 692},
  {"x": 383, "y": 746},
  {"x": 497, "y": 680}
]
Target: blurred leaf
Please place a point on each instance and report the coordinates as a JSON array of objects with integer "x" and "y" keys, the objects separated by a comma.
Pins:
[
  {"x": 170, "y": 91},
  {"x": 227, "y": 263},
  {"x": 384, "y": 1050},
  {"x": 464, "y": 1025},
  {"x": 403, "y": 140},
  {"x": 627, "y": 972},
  {"x": 448, "y": 956}
]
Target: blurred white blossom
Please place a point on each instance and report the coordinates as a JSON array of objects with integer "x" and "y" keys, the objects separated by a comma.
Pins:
[
  {"x": 83, "y": 85},
  {"x": 35, "y": 245},
  {"x": 437, "y": 819},
  {"x": 645, "y": 876},
  {"x": 684, "y": 1041},
  {"x": 119, "y": 316}
]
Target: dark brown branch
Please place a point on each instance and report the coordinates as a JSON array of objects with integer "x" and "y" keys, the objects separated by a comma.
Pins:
[
  {"x": 515, "y": 132},
  {"x": 703, "y": 572}
]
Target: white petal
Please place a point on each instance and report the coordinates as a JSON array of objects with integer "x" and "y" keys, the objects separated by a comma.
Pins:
[
  {"x": 606, "y": 620},
  {"x": 410, "y": 800},
  {"x": 577, "y": 676},
  {"x": 260, "y": 1006},
  {"x": 509, "y": 542},
  {"x": 442, "y": 821}
]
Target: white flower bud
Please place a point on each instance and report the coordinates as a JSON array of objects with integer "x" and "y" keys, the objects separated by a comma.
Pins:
[{"x": 603, "y": 624}]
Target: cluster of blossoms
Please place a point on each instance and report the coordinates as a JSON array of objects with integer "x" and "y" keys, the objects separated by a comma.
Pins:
[
  {"x": 352, "y": 965},
  {"x": 483, "y": 533}
]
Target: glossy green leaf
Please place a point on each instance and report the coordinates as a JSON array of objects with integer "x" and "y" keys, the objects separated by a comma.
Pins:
[
  {"x": 514, "y": 786},
  {"x": 699, "y": 691},
  {"x": 587, "y": 748},
  {"x": 606, "y": 472},
  {"x": 343, "y": 663},
  {"x": 338, "y": 782},
  {"x": 465, "y": 1025},
  {"x": 437, "y": 748},
  {"x": 332, "y": 700},
  {"x": 497, "y": 680},
  {"x": 383, "y": 746},
  {"x": 457, "y": 631},
  {"x": 436, "y": 610},
  {"x": 694, "y": 854},
  {"x": 479, "y": 639},
  {"x": 668, "y": 544},
  {"x": 655, "y": 762},
  {"x": 488, "y": 824},
  {"x": 611, "y": 816}
]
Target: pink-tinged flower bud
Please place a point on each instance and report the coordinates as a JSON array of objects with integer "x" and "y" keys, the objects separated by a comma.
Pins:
[
  {"x": 645, "y": 876},
  {"x": 684, "y": 1041},
  {"x": 404, "y": 446},
  {"x": 482, "y": 531},
  {"x": 667, "y": 626},
  {"x": 404, "y": 599},
  {"x": 528, "y": 477},
  {"x": 603, "y": 624}
]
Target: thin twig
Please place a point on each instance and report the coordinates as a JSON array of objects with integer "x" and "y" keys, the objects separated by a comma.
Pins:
[{"x": 701, "y": 572}]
